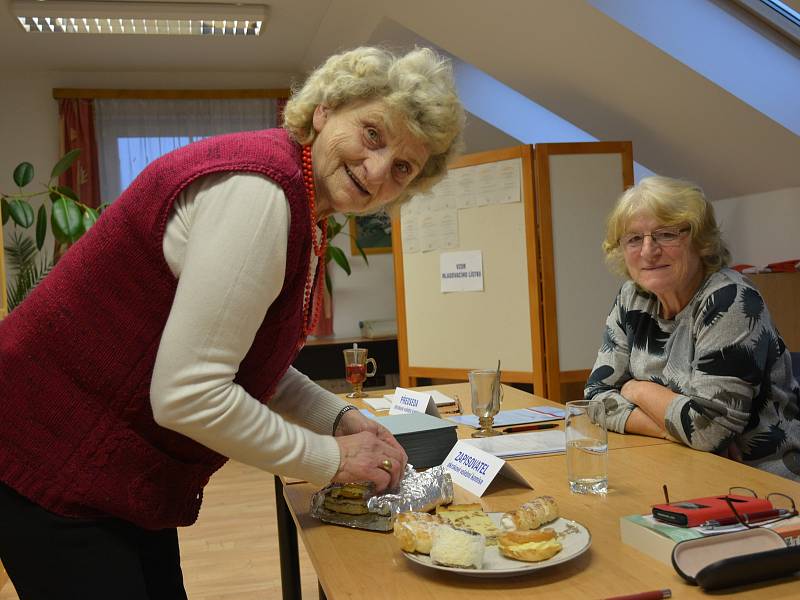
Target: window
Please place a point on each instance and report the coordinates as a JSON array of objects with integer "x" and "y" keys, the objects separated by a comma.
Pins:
[{"x": 131, "y": 133}]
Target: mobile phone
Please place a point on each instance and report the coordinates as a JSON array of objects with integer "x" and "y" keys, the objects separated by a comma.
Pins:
[{"x": 691, "y": 513}]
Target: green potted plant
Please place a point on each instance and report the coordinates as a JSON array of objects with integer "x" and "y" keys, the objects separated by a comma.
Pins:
[
  {"x": 336, "y": 254},
  {"x": 324, "y": 327},
  {"x": 68, "y": 219}
]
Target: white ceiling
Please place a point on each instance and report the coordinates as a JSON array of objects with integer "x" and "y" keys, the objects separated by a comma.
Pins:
[{"x": 563, "y": 54}]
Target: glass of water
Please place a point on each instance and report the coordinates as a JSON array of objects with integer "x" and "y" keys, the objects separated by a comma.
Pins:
[{"x": 587, "y": 446}]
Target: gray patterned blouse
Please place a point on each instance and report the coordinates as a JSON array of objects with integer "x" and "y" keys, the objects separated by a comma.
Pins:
[{"x": 722, "y": 355}]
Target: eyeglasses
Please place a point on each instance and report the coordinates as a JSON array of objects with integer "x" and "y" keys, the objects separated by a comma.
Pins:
[
  {"x": 783, "y": 507},
  {"x": 666, "y": 236}
]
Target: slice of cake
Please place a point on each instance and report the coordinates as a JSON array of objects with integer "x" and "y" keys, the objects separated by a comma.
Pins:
[
  {"x": 472, "y": 518},
  {"x": 457, "y": 548}
]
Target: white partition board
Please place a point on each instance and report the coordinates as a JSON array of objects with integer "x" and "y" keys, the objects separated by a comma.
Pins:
[
  {"x": 468, "y": 330},
  {"x": 583, "y": 190}
]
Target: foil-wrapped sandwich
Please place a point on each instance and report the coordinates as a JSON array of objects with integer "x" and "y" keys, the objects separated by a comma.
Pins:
[{"x": 356, "y": 504}]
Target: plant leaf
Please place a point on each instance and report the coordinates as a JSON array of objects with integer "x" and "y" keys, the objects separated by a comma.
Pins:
[
  {"x": 360, "y": 250},
  {"x": 23, "y": 174},
  {"x": 334, "y": 227},
  {"x": 67, "y": 191},
  {"x": 21, "y": 212},
  {"x": 65, "y": 162},
  {"x": 22, "y": 262},
  {"x": 328, "y": 282},
  {"x": 20, "y": 251},
  {"x": 67, "y": 221},
  {"x": 337, "y": 255},
  {"x": 89, "y": 218},
  {"x": 41, "y": 227},
  {"x": 5, "y": 210}
]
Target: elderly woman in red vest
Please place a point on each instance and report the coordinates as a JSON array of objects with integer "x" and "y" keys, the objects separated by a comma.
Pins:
[{"x": 161, "y": 344}]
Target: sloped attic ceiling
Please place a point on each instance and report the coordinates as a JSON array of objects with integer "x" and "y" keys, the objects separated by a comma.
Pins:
[
  {"x": 565, "y": 55},
  {"x": 585, "y": 67}
]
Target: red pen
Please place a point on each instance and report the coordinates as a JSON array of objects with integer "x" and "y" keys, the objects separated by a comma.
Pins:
[
  {"x": 532, "y": 427},
  {"x": 654, "y": 595}
]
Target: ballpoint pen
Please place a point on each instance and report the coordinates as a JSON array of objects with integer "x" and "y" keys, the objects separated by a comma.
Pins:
[
  {"x": 764, "y": 515},
  {"x": 532, "y": 427}
]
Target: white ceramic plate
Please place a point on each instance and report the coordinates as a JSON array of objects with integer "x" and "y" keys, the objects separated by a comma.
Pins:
[{"x": 575, "y": 540}]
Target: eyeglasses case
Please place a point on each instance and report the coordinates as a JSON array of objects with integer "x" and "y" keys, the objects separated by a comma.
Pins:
[{"x": 737, "y": 558}]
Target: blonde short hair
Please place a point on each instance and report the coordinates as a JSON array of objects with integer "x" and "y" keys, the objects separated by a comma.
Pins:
[
  {"x": 671, "y": 202},
  {"x": 417, "y": 86}
]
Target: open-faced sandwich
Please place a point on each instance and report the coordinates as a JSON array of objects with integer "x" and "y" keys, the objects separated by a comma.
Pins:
[{"x": 470, "y": 517}]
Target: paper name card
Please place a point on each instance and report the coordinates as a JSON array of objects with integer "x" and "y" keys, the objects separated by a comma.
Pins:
[
  {"x": 408, "y": 401},
  {"x": 474, "y": 470},
  {"x": 438, "y": 397}
]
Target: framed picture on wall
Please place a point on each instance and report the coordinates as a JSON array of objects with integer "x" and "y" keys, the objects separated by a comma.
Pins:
[{"x": 373, "y": 232}]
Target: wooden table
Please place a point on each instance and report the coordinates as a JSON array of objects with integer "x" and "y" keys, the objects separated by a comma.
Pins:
[{"x": 352, "y": 563}]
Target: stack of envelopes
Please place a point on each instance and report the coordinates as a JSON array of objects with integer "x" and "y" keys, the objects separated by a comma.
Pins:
[{"x": 426, "y": 439}]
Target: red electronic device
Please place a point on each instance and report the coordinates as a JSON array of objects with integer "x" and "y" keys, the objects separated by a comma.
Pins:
[{"x": 691, "y": 513}]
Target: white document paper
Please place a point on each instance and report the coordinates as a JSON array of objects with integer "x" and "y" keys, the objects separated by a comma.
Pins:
[
  {"x": 409, "y": 228},
  {"x": 509, "y": 181},
  {"x": 448, "y": 228},
  {"x": 384, "y": 403},
  {"x": 551, "y": 441},
  {"x": 461, "y": 271},
  {"x": 429, "y": 237}
]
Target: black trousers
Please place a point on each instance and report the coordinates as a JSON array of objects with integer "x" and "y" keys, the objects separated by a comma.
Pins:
[{"x": 49, "y": 557}]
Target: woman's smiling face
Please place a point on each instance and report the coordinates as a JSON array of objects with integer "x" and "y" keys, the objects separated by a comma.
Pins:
[
  {"x": 671, "y": 272},
  {"x": 363, "y": 157}
]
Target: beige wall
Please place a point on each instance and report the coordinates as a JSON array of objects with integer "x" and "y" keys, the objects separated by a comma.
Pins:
[
  {"x": 761, "y": 228},
  {"x": 29, "y": 123}
]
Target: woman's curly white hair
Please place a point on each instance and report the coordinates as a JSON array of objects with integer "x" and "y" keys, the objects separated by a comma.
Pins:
[{"x": 417, "y": 86}]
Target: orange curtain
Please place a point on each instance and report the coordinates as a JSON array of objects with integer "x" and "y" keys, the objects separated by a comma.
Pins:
[
  {"x": 76, "y": 120},
  {"x": 324, "y": 326}
]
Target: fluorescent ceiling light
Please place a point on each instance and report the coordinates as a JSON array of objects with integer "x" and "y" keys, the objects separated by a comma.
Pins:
[{"x": 152, "y": 18}]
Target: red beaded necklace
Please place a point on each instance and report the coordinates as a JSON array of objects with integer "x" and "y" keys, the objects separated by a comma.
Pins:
[{"x": 320, "y": 245}]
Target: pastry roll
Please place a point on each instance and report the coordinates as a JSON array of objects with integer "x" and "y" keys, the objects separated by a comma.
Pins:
[{"x": 531, "y": 515}]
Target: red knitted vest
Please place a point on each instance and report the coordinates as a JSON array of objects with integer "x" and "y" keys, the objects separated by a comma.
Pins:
[{"x": 77, "y": 434}]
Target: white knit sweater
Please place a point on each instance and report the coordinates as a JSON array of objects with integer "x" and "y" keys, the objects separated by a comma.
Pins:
[{"x": 226, "y": 243}]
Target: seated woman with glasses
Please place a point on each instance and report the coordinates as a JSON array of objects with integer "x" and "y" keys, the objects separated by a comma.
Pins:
[{"x": 689, "y": 350}]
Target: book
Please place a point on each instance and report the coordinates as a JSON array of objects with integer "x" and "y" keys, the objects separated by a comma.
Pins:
[
  {"x": 657, "y": 539},
  {"x": 426, "y": 439}
]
